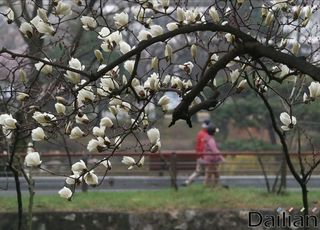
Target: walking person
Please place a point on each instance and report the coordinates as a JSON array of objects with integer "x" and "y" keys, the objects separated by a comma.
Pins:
[
  {"x": 211, "y": 159},
  {"x": 200, "y": 143}
]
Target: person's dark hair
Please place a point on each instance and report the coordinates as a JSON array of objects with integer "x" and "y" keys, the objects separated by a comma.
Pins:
[
  {"x": 211, "y": 130},
  {"x": 206, "y": 124}
]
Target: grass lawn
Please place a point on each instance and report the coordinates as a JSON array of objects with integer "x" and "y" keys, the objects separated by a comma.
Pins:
[{"x": 193, "y": 197}]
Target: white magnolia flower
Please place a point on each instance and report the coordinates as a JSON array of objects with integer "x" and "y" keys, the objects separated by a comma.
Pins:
[
  {"x": 187, "y": 67},
  {"x": 139, "y": 89},
  {"x": 63, "y": 9},
  {"x": 32, "y": 159},
  {"x": 156, "y": 147},
  {"x": 90, "y": 178},
  {"x": 230, "y": 38},
  {"x": 86, "y": 95},
  {"x": 106, "y": 163},
  {"x": 88, "y": 23},
  {"x": 181, "y": 15},
  {"x": 37, "y": 134},
  {"x": 43, "y": 68},
  {"x": 104, "y": 33},
  {"x": 44, "y": 119},
  {"x": 165, "y": 3},
  {"x": 106, "y": 122},
  {"x": 26, "y": 29},
  {"x": 164, "y": 100},
  {"x": 76, "y": 133},
  {"x": 72, "y": 76},
  {"x": 9, "y": 15},
  {"x": 98, "y": 131},
  {"x": 128, "y": 161},
  {"x": 214, "y": 14},
  {"x": 314, "y": 90},
  {"x": 288, "y": 121},
  {"x": 144, "y": 35},
  {"x": 172, "y": 26},
  {"x": 124, "y": 47},
  {"x": 234, "y": 75},
  {"x": 153, "y": 135},
  {"x": 242, "y": 85},
  {"x": 264, "y": 11},
  {"x": 141, "y": 162},
  {"x": 60, "y": 108},
  {"x": 7, "y": 121},
  {"x": 22, "y": 96},
  {"x": 129, "y": 65},
  {"x": 176, "y": 83},
  {"x": 44, "y": 28},
  {"x": 214, "y": 58},
  {"x": 72, "y": 179},
  {"x": 96, "y": 145},
  {"x": 121, "y": 19},
  {"x": 82, "y": 119},
  {"x": 156, "y": 30},
  {"x": 65, "y": 192},
  {"x": 78, "y": 167},
  {"x": 42, "y": 14}
]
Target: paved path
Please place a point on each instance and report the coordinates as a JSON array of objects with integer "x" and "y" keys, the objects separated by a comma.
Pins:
[{"x": 53, "y": 184}]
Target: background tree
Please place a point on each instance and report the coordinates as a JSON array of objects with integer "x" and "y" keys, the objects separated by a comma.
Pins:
[{"x": 89, "y": 71}]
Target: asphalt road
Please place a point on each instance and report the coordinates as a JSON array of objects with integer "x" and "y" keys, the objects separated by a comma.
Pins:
[{"x": 117, "y": 183}]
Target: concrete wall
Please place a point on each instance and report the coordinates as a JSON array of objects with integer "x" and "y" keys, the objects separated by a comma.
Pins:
[{"x": 175, "y": 220}]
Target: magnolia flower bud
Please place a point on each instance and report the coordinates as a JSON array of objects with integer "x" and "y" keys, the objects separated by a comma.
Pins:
[
  {"x": 32, "y": 159},
  {"x": 241, "y": 85},
  {"x": 295, "y": 48},
  {"x": 38, "y": 134},
  {"x": 230, "y": 38},
  {"x": 214, "y": 15},
  {"x": 181, "y": 15},
  {"x": 154, "y": 63},
  {"x": 60, "y": 108},
  {"x": 98, "y": 55},
  {"x": 168, "y": 52},
  {"x": 65, "y": 193},
  {"x": 193, "y": 50}
]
